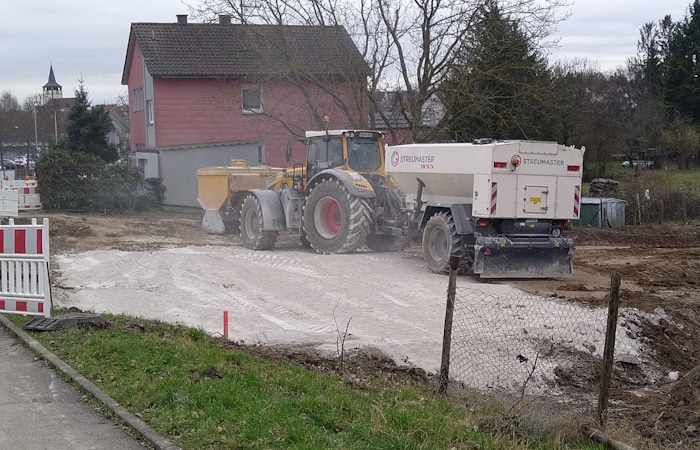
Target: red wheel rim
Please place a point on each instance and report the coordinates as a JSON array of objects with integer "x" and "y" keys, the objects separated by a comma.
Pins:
[
  {"x": 328, "y": 218},
  {"x": 332, "y": 216}
]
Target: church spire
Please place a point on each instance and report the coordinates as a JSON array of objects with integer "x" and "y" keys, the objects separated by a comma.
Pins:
[{"x": 52, "y": 89}]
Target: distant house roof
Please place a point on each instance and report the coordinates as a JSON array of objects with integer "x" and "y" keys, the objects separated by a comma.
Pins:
[
  {"x": 394, "y": 107},
  {"x": 59, "y": 104},
  {"x": 225, "y": 50},
  {"x": 119, "y": 116}
]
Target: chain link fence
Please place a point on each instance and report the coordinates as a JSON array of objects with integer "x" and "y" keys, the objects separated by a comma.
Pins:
[{"x": 526, "y": 345}]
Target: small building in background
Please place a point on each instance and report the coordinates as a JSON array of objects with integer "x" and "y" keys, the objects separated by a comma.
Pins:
[{"x": 602, "y": 212}]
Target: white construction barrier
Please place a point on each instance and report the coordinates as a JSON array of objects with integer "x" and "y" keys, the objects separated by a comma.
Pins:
[
  {"x": 24, "y": 269},
  {"x": 27, "y": 193},
  {"x": 9, "y": 204}
]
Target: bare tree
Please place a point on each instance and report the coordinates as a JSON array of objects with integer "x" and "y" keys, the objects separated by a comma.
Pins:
[
  {"x": 594, "y": 108},
  {"x": 682, "y": 140},
  {"x": 8, "y": 102},
  {"x": 31, "y": 101},
  {"x": 408, "y": 46}
]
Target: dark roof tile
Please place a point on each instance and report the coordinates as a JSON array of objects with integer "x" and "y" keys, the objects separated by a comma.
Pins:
[{"x": 242, "y": 51}]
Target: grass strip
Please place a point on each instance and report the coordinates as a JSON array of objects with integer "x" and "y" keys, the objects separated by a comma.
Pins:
[{"x": 206, "y": 393}]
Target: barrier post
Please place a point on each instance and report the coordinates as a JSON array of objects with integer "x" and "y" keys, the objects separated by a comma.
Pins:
[{"x": 226, "y": 325}]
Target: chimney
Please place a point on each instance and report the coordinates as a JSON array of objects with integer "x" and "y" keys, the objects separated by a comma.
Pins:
[
  {"x": 181, "y": 18},
  {"x": 224, "y": 18}
]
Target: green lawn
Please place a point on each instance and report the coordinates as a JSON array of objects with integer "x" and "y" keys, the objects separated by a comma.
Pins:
[{"x": 206, "y": 393}]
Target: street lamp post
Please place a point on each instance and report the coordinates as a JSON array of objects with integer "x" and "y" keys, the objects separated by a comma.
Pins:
[
  {"x": 2, "y": 156},
  {"x": 36, "y": 138}
]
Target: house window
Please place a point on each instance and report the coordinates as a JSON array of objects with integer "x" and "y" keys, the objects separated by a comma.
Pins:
[
  {"x": 252, "y": 99},
  {"x": 142, "y": 165},
  {"x": 149, "y": 112}
]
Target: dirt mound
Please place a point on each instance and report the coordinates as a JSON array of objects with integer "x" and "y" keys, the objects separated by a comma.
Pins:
[
  {"x": 660, "y": 236},
  {"x": 671, "y": 419}
]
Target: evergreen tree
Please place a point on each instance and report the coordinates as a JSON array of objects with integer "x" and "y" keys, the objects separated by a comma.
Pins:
[
  {"x": 87, "y": 128},
  {"x": 681, "y": 80},
  {"x": 500, "y": 86},
  {"x": 646, "y": 68},
  {"x": 642, "y": 112}
]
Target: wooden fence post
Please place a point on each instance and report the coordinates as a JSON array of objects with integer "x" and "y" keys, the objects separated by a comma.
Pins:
[
  {"x": 685, "y": 212},
  {"x": 609, "y": 351},
  {"x": 447, "y": 331}
]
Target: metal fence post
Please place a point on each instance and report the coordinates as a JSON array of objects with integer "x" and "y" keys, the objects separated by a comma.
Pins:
[
  {"x": 447, "y": 332},
  {"x": 609, "y": 352}
]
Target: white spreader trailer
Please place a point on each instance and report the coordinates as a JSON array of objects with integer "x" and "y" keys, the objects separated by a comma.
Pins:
[{"x": 501, "y": 206}]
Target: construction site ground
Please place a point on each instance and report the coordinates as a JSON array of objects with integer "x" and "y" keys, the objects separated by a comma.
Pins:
[{"x": 659, "y": 266}]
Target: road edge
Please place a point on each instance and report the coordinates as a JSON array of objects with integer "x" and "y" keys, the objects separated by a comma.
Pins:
[{"x": 137, "y": 425}]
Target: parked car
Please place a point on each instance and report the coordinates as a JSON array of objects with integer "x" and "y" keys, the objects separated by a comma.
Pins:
[
  {"x": 8, "y": 164},
  {"x": 638, "y": 162}
]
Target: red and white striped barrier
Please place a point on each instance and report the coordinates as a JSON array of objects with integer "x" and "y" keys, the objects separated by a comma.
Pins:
[
  {"x": 24, "y": 269},
  {"x": 28, "y": 198}
]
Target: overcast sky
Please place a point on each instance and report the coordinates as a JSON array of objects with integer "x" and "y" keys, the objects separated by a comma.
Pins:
[{"x": 86, "y": 39}]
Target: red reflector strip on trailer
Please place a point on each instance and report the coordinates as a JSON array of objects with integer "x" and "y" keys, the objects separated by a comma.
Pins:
[
  {"x": 494, "y": 196},
  {"x": 482, "y": 223},
  {"x": 573, "y": 168},
  {"x": 500, "y": 165}
]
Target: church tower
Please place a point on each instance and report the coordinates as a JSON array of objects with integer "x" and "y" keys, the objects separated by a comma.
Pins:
[{"x": 52, "y": 89}]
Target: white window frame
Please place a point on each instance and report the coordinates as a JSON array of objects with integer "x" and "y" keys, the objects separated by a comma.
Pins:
[
  {"x": 250, "y": 88},
  {"x": 150, "y": 113}
]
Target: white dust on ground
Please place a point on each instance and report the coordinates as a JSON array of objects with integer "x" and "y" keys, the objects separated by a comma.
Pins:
[{"x": 385, "y": 300}]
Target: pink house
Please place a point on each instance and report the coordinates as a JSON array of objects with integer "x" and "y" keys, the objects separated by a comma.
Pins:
[{"x": 201, "y": 94}]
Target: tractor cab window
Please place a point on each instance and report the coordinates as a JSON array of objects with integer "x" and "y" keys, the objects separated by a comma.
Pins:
[
  {"x": 335, "y": 152},
  {"x": 363, "y": 154},
  {"x": 324, "y": 153}
]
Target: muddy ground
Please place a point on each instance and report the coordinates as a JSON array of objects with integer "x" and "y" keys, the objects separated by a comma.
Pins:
[{"x": 659, "y": 265}]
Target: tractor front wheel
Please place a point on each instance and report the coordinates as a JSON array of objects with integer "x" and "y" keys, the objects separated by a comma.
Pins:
[{"x": 252, "y": 233}]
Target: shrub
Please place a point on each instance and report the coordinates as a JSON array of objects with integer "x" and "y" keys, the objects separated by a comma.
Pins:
[
  {"x": 76, "y": 181},
  {"x": 666, "y": 199}
]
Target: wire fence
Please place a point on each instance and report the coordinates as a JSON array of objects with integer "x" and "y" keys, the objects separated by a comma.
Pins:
[{"x": 527, "y": 345}]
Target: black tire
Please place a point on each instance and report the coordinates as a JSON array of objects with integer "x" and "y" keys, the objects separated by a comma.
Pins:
[
  {"x": 304, "y": 240},
  {"x": 335, "y": 221},
  {"x": 440, "y": 241},
  {"x": 252, "y": 234},
  {"x": 386, "y": 243}
]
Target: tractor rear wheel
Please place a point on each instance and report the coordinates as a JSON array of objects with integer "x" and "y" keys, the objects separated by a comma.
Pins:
[
  {"x": 440, "y": 241},
  {"x": 304, "y": 240},
  {"x": 334, "y": 220},
  {"x": 252, "y": 233}
]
